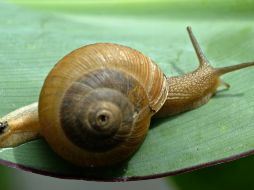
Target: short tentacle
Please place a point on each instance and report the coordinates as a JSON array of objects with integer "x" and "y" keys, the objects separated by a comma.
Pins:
[{"x": 225, "y": 84}]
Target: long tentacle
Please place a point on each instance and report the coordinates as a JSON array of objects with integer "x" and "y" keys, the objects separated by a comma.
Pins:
[
  {"x": 224, "y": 70},
  {"x": 201, "y": 57}
]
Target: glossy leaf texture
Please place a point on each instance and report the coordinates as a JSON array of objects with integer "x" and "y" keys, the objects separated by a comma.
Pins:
[{"x": 34, "y": 36}]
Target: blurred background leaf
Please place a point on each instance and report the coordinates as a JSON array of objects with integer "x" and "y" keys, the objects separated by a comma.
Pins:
[
  {"x": 38, "y": 34},
  {"x": 234, "y": 175},
  {"x": 5, "y": 178},
  {"x": 169, "y": 9}
]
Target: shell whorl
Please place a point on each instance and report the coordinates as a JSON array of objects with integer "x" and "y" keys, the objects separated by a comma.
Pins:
[
  {"x": 101, "y": 109},
  {"x": 95, "y": 105}
]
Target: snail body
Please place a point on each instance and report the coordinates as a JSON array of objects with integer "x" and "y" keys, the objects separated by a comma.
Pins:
[{"x": 96, "y": 104}]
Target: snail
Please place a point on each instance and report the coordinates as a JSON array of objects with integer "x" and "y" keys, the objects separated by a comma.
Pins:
[{"x": 96, "y": 104}]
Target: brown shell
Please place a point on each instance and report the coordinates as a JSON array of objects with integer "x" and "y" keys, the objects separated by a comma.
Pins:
[{"x": 133, "y": 87}]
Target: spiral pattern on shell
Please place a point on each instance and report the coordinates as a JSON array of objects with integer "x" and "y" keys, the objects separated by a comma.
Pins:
[{"x": 96, "y": 104}]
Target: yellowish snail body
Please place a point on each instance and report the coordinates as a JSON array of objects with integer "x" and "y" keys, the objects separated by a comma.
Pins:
[{"x": 96, "y": 103}]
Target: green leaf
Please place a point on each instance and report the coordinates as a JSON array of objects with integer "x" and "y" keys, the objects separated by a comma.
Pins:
[{"x": 32, "y": 41}]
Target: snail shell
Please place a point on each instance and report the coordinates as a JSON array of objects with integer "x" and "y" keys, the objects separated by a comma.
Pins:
[{"x": 96, "y": 103}]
